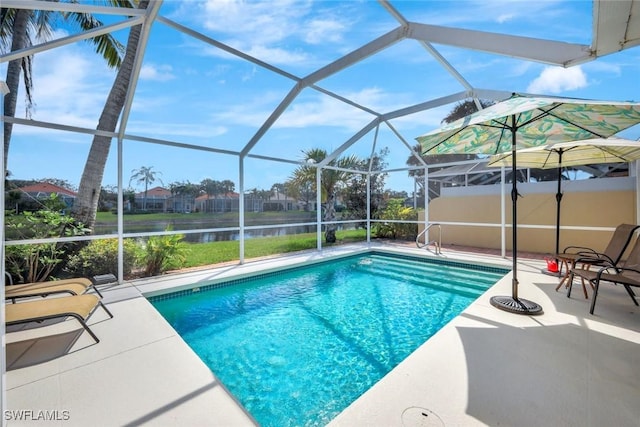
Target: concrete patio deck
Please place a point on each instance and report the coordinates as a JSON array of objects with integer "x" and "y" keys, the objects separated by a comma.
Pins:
[{"x": 486, "y": 367}]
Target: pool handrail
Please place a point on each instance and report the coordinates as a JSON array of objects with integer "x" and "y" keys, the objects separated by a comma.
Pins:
[{"x": 437, "y": 244}]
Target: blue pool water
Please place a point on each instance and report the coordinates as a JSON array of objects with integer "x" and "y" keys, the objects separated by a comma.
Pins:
[{"x": 298, "y": 346}]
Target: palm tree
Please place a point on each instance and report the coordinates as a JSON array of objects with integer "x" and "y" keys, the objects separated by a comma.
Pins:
[
  {"x": 330, "y": 180},
  {"x": 20, "y": 28},
  {"x": 145, "y": 175},
  {"x": 278, "y": 189},
  {"x": 86, "y": 203}
]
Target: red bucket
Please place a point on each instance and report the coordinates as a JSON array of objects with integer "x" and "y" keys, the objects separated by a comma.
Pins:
[{"x": 552, "y": 265}]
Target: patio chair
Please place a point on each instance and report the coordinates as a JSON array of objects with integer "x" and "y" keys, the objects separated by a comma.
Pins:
[
  {"x": 573, "y": 256},
  {"x": 627, "y": 274},
  {"x": 76, "y": 286},
  {"x": 78, "y": 306}
]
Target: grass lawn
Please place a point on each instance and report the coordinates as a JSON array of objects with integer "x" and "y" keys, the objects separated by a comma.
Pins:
[
  {"x": 199, "y": 254},
  {"x": 111, "y": 218}
]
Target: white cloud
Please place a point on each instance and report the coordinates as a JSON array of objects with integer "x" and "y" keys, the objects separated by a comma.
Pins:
[
  {"x": 175, "y": 131},
  {"x": 323, "y": 112},
  {"x": 324, "y": 30},
  {"x": 272, "y": 20},
  {"x": 160, "y": 73},
  {"x": 557, "y": 79},
  {"x": 272, "y": 30},
  {"x": 277, "y": 55},
  {"x": 505, "y": 17},
  {"x": 60, "y": 77}
]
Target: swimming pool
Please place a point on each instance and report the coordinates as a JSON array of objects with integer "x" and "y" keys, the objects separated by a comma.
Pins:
[{"x": 296, "y": 347}]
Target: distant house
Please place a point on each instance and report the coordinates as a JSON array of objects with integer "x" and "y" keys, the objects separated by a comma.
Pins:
[
  {"x": 182, "y": 203},
  {"x": 156, "y": 200},
  {"x": 281, "y": 202},
  {"x": 229, "y": 202},
  {"x": 44, "y": 190}
]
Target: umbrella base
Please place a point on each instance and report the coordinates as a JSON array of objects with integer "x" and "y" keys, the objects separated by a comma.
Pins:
[{"x": 516, "y": 305}]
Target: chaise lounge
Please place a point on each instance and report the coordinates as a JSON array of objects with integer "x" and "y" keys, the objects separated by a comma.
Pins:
[
  {"x": 77, "y": 286},
  {"x": 78, "y": 306}
]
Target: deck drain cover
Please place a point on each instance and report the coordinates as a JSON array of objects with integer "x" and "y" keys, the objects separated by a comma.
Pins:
[{"x": 416, "y": 416}]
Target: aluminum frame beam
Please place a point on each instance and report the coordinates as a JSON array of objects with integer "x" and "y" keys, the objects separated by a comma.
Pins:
[{"x": 527, "y": 48}]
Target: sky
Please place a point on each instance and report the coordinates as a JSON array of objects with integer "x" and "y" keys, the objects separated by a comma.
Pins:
[{"x": 191, "y": 93}]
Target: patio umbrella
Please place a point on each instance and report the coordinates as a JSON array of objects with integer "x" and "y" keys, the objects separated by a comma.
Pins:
[
  {"x": 574, "y": 153},
  {"x": 523, "y": 122}
]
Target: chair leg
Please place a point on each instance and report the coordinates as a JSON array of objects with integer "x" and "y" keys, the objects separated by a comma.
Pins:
[
  {"x": 570, "y": 284},
  {"x": 85, "y": 326},
  {"x": 595, "y": 295},
  {"x": 631, "y": 294},
  {"x": 95, "y": 288},
  {"x": 105, "y": 309},
  {"x": 566, "y": 275},
  {"x": 84, "y": 323}
]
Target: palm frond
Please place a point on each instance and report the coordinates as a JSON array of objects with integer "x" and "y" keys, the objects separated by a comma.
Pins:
[{"x": 106, "y": 45}]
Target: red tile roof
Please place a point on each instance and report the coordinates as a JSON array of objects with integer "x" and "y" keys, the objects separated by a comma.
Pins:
[
  {"x": 155, "y": 192},
  {"x": 45, "y": 187},
  {"x": 218, "y": 196}
]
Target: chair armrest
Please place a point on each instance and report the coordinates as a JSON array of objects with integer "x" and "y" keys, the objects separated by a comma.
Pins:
[
  {"x": 595, "y": 258},
  {"x": 620, "y": 270},
  {"x": 618, "y": 276},
  {"x": 577, "y": 249}
]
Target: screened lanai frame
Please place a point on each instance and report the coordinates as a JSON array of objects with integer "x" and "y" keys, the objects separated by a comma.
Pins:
[
  {"x": 607, "y": 39},
  {"x": 616, "y": 27}
]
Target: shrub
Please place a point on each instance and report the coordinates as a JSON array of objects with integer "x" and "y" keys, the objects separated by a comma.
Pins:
[
  {"x": 36, "y": 262},
  {"x": 395, "y": 210},
  {"x": 101, "y": 257},
  {"x": 162, "y": 253}
]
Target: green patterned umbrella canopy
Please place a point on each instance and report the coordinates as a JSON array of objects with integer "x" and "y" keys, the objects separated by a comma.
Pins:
[
  {"x": 523, "y": 122},
  {"x": 534, "y": 120}
]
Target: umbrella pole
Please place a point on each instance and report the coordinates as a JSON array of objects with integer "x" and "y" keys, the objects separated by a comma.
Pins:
[
  {"x": 558, "y": 201},
  {"x": 514, "y": 219},
  {"x": 512, "y": 303}
]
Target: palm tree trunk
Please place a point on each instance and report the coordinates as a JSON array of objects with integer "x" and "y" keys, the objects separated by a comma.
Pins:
[
  {"x": 86, "y": 204},
  {"x": 20, "y": 41},
  {"x": 144, "y": 201},
  {"x": 330, "y": 215}
]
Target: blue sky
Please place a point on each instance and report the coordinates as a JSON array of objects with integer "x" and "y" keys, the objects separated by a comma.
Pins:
[{"x": 191, "y": 93}]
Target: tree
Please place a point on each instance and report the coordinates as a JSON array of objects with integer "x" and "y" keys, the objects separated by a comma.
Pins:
[
  {"x": 129, "y": 198},
  {"x": 58, "y": 182},
  {"x": 86, "y": 204},
  {"x": 189, "y": 191},
  {"x": 211, "y": 188},
  {"x": 302, "y": 191},
  {"x": 331, "y": 179},
  {"x": 280, "y": 189},
  {"x": 108, "y": 198},
  {"x": 145, "y": 175},
  {"x": 277, "y": 189},
  {"x": 355, "y": 196},
  {"x": 227, "y": 187},
  {"x": 20, "y": 28}
]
